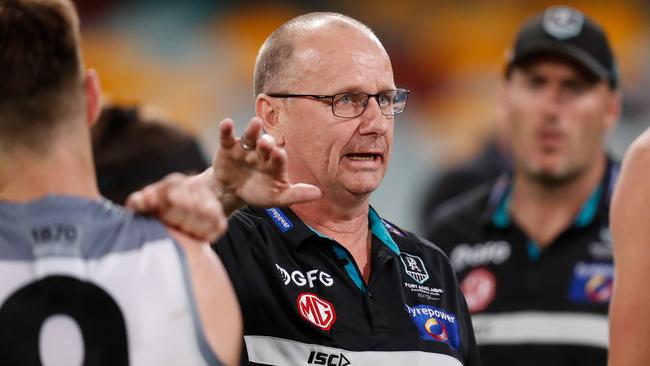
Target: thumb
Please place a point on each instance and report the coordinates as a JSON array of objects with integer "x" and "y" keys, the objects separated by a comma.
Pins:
[{"x": 298, "y": 193}]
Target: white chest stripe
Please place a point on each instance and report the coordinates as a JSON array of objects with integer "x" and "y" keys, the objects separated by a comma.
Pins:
[
  {"x": 565, "y": 328},
  {"x": 278, "y": 351}
]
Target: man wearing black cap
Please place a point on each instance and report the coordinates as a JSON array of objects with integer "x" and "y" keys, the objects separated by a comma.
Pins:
[{"x": 532, "y": 251}]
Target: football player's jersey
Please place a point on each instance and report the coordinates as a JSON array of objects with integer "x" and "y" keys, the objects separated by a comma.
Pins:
[{"x": 87, "y": 282}]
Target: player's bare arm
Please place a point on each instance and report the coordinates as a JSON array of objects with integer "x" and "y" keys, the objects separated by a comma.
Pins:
[
  {"x": 630, "y": 212},
  {"x": 214, "y": 298}
]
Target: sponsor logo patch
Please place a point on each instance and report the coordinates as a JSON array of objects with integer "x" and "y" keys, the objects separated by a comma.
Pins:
[
  {"x": 281, "y": 221},
  {"x": 592, "y": 283},
  {"x": 479, "y": 287},
  {"x": 492, "y": 252},
  {"x": 317, "y": 311},
  {"x": 328, "y": 359},
  {"x": 435, "y": 324},
  {"x": 308, "y": 278},
  {"x": 414, "y": 267}
]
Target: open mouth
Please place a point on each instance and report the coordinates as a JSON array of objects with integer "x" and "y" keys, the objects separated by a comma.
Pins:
[{"x": 363, "y": 156}]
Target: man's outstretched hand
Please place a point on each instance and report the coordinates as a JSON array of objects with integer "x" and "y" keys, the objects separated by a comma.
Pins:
[
  {"x": 253, "y": 170},
  {"x": 248, "y": 170}
]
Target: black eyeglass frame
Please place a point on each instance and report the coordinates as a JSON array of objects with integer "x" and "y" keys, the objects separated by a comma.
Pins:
[{"x": 331, "y": 97}]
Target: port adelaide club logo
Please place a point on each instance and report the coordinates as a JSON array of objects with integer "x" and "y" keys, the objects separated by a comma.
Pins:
[
  {"x": 317, "y": 311},
  {"x": 414, "y": 267}
]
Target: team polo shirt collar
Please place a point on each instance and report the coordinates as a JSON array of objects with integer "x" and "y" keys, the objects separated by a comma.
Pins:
[
  {"x": 297, "y": 232},
  {"x": 380, "y": 229},
  {"x": 498, "y": 213}
]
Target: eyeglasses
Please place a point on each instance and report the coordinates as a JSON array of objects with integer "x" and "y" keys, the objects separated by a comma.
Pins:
[{"x": 353, "y": 104}]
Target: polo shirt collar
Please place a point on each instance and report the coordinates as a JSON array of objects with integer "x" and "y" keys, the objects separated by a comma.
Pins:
[
  {"x": 291, "y": 227},
  {"x": 498, "y": 212}
]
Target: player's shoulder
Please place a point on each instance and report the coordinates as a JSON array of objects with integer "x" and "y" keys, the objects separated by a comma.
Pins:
[
  {"x": 97, "y": 227},
  {"x": 246, "y": 222},
  {"x": 639, "y": 150},
  {"x": 250, "y": 225},
  {"x": 246, "y": 217},
  {"x": 466, "y": 209},
  {"x": 133, "y": 223},
  {"x": 631, "y": 197},
  {"x": 119, "y": 229},
  {"x": 409, "y": 242},
  {"x": 636, "y": 164}
]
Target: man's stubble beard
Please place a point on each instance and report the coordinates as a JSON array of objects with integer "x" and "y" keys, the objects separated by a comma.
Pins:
[{"x": 554, "y": 180}]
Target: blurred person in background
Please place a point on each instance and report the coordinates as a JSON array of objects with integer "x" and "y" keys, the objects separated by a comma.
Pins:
[
  {"x": 132, "y": 150},
  {"x": 83, "y": 281},
  {"x": 330, "y": 281},
  {"x": 533, "y": 250},
  {"x": 629, "y": 311},
  {"x": 488, "y": 165}
]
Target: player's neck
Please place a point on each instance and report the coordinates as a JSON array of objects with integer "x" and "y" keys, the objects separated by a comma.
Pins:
[
  {"x": 65, "y": 169},
  {"x": 545, "y": 211}
]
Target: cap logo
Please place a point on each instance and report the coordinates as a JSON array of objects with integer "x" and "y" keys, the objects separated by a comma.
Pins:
[{"x": 563, "y": 22}]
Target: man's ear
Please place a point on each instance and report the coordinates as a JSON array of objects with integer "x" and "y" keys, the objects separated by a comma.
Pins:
[
  {"x": 504, "y": 98},
  {"x": 268, "y": 109},
  {"x": 93, "y": 90},
  {"x": 614, "y": 107}
]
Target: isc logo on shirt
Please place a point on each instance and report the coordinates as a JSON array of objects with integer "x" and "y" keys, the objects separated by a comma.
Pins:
[
  {"x": 316, "y": 310},
  {"x": 329, "y": 359}
]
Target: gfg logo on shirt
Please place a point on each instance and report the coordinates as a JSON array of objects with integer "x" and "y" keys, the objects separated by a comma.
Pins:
[{"x": 307, "y": 278}]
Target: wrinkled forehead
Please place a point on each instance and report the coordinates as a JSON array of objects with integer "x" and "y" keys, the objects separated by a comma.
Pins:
[{"x": 340, "y": 57}]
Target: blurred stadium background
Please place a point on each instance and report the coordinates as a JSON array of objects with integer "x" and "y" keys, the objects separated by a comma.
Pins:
[{"x": 191, "y": 61}]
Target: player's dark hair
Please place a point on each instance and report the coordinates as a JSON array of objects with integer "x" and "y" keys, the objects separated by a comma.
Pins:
[{"x": 40, "y": 70}]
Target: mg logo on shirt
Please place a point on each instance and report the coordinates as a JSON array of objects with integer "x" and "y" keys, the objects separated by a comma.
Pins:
[
  {"x": 414, "y": 267},
  {"x": 318, "y": 311}
]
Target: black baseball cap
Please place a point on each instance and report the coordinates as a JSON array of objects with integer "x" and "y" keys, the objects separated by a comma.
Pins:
[{"x": 566, "y": 31}]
